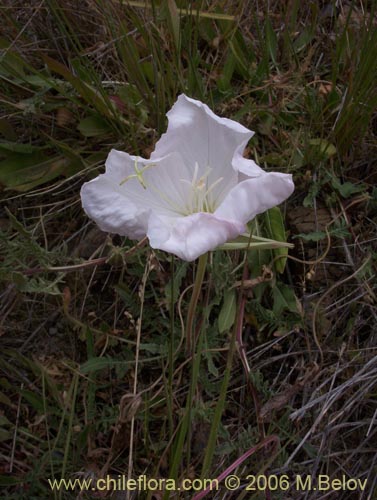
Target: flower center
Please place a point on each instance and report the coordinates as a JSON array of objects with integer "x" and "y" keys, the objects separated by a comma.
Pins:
[{"x": 200, "y": 196}]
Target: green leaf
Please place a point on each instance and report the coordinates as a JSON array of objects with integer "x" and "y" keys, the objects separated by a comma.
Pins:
[
  {"x": 11, "y": 64},
  {"x": 16, "y": 224},
  {"x": 211, "y": 365},
  {"x": 4, "y": 400},
  {"x": 7, "y": 130},
  {"x": 89, "y": 93},
  {"x": 312, "y": 194},
  {"x": 18, "y": 148},
  {"x": 96, "y": 364},
  {"x": 179, "y": 274},
  {"x": 271, "y": 40},
  {"x": 276, "y": 229},
  {"x": 339, "y": 232},
  {"x": 313, "y": 236},
  {"x": 174, "y": 21},
  {"x": 93, "y": 125},
  {"x": 10, "y": 481},
  {"x": 324, "y": 147},
  {"x": 228, "y": 311},
  {"x": 224, "y": 82},
  {"x": 245, "y": 242},
  {"x": 305, "y": 37},
  {"x": 35, "y": 400},
  {"x": 284, "y": 299},
  {"x": 5, "y": 435},
  {"x": 154, "y": 348},
  {"x": 346, "y": 189},
  {"x": 21, "y": 172}
]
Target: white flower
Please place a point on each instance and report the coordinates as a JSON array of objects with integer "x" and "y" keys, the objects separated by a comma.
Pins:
[{"x": 195, "y": 193}]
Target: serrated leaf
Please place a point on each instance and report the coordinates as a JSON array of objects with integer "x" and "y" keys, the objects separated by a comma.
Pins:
[
  {"x": 16, "y": 224},
  {"x": 228, "y": 311},
  {"x": 210, "y": 364},
  {"x": 346, "y": 189},
  {"x": 339, "y": 232},
  {"x": 313, "y": 236}
]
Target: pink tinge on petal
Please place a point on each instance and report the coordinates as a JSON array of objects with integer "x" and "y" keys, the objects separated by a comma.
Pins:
[
  {"x": 254, "y": 196},
  {"x": 191, "y": 236}
]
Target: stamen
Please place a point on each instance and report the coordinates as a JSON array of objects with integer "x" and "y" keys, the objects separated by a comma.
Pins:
[
  {"x": 196, "y": 170},
  {"x": 199, "y": 195},
  {"x": 138, "y": 174}
]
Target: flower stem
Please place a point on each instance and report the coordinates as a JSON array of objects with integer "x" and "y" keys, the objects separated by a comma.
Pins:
[{"x": 190, "y": 333}]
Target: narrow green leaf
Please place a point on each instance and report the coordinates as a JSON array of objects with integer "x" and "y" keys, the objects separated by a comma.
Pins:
[
  {"x": 179, "y": 274},
  {"x": 224, "y": 82},
  {"x": 275, "y": 226},
  {"x": 271, "y": 40},
  {"x": 10, "y": 481},
  {"x": 86, "y": 91},
  {"x": 175, "y": 21},
  {"x": 228, "y": 311},
  {"x": 18, "y": 148},
  {"x": 95, "y": 364}
]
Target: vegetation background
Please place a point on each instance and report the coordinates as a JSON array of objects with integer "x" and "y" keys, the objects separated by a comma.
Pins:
[{"x": 94, "y": 379}]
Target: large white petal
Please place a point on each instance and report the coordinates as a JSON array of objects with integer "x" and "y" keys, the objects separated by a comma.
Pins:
[
  {"x": 104, "y": 201},
  {"x": 255, "y": 195},
  {"x": 124, "y": 207},
  {"x": 202, "y": 137},
  {"x": 192, "y": 236}
]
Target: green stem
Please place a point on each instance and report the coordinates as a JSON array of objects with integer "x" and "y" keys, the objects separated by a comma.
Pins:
[
  {"x": 185, "y": 423},
  {"x": 171, "y": 354},
  {"x": 190, "y": 334},
  {"x": 223, "y": 392}
]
